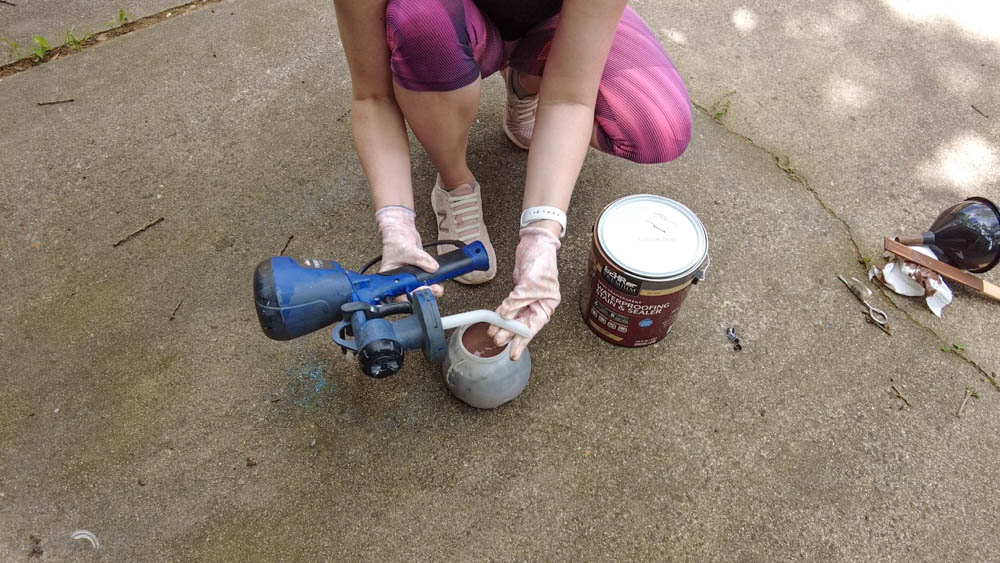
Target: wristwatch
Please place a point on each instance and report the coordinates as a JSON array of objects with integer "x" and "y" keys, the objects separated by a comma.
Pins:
[{"x": 543, "y": 213}]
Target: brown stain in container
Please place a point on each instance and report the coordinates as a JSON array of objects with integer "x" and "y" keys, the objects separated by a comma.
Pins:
[{"x": 478, "y": 342}]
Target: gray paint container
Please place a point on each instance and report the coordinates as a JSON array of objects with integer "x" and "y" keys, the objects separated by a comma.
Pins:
[{"x": 480, "y": 374}]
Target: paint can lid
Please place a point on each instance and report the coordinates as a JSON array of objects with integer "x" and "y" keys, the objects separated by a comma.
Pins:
[{"x": 653, "y": 237}]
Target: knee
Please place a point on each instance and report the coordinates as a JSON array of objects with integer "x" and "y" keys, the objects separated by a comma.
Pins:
[
  {"x": 644, "y": 115},
  {"x": 414, "y": 27},
  {"x": 668, "y": 138},
  {"x": 655, "y": 138},
  {"x": 429, "y": 45}
]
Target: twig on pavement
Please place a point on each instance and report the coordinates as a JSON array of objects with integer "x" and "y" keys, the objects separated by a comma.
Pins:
[
  {"x": 900, "y": 395},
  {"x": 174, "y": 312},
  {"x": 138, "y": 232},
  {"x": 66, "y": 101},
  {"x": 965, "y": 401},
  {"x": 287, "y": 242}
]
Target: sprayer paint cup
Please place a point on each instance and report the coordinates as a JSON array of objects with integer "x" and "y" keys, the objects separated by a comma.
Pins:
[{"x": 480, "y": 373}]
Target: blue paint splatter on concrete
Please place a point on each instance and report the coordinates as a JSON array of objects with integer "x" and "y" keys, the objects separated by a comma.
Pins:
[
  {"x": 309, "y": 385},
  {"x": 316, "y": 378}
]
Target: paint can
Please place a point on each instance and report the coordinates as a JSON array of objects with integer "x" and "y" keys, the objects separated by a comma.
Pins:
[{"x": 647, "y": 252}]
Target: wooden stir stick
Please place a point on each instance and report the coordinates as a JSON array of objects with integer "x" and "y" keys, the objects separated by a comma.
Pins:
[{"x": 950, "y": 272}]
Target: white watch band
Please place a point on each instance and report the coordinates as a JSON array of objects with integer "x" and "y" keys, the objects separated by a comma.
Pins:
[{"x": 543, "y": 213}]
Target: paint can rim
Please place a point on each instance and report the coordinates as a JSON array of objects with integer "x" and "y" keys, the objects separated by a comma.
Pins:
[{"x": 639, "y": 212}]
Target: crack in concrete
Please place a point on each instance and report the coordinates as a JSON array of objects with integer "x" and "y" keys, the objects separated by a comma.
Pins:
[
  {"x": 784, "y": 164},
  {"x": 991, "y": 379},
  {"x": 95, "y": 38}
]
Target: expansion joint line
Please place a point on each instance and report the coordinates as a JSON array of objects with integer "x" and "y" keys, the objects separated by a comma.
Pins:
[
  {"x": 98, "y": 37},
  {"x": 784, "y": 164}
]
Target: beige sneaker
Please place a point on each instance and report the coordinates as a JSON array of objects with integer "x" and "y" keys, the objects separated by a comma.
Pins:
[
  {"x": 460, "y": 217},
  {"x": 519, "y": 119}
]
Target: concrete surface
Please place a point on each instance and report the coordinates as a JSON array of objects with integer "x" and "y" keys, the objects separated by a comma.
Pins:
[
  {"x": 888, "y": 109},
  {"x": 137, "y": 383},
  {"x": 51, "y": 18}
]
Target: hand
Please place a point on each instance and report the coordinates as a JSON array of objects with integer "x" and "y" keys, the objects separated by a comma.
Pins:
[
  {"x": 536, "y": 288},
  {"x": 401, "y": 244}
]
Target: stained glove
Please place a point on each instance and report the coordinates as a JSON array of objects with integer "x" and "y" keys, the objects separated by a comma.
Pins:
[
  {"x": 401, "y": 245},
  {"x": 536, "y": 288}
]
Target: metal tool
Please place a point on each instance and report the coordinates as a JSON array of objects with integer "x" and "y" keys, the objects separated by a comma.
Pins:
[
  {"x": 861, "y": 291},
  {"x": 735, "y": 340}
]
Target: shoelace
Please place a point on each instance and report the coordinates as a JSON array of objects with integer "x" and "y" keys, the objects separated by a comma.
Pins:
[
  {"x": 524, "y": 108},
  {"x": 468, "y": 216}
]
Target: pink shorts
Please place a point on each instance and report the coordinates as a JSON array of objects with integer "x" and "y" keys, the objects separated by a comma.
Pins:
[{"x": 643, "y": 111}]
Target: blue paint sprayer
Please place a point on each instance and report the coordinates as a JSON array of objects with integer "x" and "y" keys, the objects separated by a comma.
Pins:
[{"x": 296, "y": 297}]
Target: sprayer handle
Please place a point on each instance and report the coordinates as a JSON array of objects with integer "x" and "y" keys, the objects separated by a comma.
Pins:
[{"x": 452, "y": 264}]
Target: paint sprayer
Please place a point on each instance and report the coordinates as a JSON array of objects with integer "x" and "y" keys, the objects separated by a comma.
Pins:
[{"x": 296, "y": 297}]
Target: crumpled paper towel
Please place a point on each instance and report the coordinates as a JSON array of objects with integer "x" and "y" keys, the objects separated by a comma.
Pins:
[{"x": 913, "y": 280}]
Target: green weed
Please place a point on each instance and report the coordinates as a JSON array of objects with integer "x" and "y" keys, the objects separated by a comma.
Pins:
[
  {"x": 76, "y": 42},
  {"x": 721, "y": 106},
  {"x": 42, "y": 47},
  {"x": 13, "y": 49},
  {"x": 123, "y": 18}
]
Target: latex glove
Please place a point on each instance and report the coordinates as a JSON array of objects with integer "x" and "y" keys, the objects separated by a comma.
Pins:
[
  {"x": 401, "y": 245},
  {"x": 536, "y": 288}
]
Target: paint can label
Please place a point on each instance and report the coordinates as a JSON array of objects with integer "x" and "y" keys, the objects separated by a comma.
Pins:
[{"x": 622, "y": 313}]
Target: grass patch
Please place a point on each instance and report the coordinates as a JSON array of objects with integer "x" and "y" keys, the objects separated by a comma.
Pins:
[
  {"x": 13, "y": 49},
  {"x": 721, "y": 106},
  {"x": 42, "y": 47},
  {"x": 122, "y": 25},
  {"x": 74, "y": 42}
]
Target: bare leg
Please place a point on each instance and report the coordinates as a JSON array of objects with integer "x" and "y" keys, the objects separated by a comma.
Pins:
[
  {"x": 529, "y": 82},
  {"x": 441, "y": 121}
]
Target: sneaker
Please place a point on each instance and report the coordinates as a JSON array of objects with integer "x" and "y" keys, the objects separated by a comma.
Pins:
[
  {"x": 460, "y": 217},
  {"x": 519, "y": 119}
]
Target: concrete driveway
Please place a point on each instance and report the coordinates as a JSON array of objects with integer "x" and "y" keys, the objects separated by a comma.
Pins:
[{"x": 140, "y": 400}]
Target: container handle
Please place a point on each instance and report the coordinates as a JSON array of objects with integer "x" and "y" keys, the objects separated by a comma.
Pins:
[
  {"x": 699, "y": 275},
  {"x": 485, "y": 316}
]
